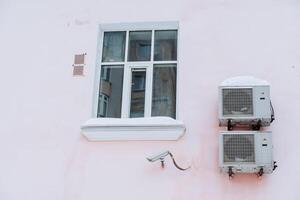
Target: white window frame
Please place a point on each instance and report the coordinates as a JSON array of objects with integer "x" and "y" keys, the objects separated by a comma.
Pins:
[
  {"x": 125, "y": 128},
  {"x": 126, "y": 99},
  {"x": 128, "y": 65}
]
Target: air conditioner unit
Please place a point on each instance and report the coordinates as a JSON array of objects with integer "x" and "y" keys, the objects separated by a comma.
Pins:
[
  {"x": 245, "y": 101},
  {"x": 246, "y": 152}
]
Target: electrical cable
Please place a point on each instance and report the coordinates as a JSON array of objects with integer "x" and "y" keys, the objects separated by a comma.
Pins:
[
  {"x": 272, "y": 112},
  {"x": 176, "y": 165}
]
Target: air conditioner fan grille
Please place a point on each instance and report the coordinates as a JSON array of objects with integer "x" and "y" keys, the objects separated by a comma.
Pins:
[
  {"x": 237, "y": 102},
  {"x": 238, "y": 148}
]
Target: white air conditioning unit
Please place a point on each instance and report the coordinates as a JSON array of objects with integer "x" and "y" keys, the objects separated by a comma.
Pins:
[
  {"x": 246, "y": 152},
  {"x": 245, "y": 100}
]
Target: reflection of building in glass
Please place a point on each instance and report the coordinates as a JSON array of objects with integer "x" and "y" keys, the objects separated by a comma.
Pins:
[
  {"x": 103, "y": 102},
  {"x": 110, "y": 91},
  {"x": 164, "y": 91},
  {"x": 138, "y": 84},
  {"x": 140, "y": 45},
  {"x": 105, "y": 91}
]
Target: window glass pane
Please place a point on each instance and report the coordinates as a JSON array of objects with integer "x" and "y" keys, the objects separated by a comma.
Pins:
[
  {"x": 137, "y": 102},
  {"x": 113, "y": 46},
  {"x": 110, "y": 94},
  {"x": 139, "y": 46},
  {"x": 165, "y": 45},
  {"x": 164, "y": 90}
]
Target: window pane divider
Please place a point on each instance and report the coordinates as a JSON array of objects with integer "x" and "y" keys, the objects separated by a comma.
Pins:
[
  {"x": 126, "y": 46},
  {"x": 126, "y": 82},
  {"x": 126, "y": 92},
  {"x": 165, "y": 62},
  {"x": 148, "y": 106},
  {"x": 152, "y": 45},
  {"x": 112, "y": 63}
]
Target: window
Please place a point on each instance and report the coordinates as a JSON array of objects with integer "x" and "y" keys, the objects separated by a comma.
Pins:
[
  {"x": 137, "y": 70},
  {"x": 136, "y": 77}
]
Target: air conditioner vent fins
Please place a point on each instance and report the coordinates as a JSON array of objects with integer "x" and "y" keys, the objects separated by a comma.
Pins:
[
  {"x": 237, "y": 101},
  {"x": 239, "y": 148}
]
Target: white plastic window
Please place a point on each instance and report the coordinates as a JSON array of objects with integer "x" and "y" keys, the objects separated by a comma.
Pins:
[{"x": 137, "y": 72}]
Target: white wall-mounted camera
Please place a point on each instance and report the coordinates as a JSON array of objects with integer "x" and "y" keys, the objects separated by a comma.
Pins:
[{"x": 161, "y": 157}]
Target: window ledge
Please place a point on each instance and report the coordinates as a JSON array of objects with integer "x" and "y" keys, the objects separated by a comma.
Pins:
[{"x": 115, "y": 129}]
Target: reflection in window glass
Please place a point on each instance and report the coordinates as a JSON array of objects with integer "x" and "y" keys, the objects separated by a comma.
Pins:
[
  {"x": 137, "y": 103},
  {"x": 139, "y": 46},
  {"x": 113, "y": 46},
  {"x": 164, "y": 90},
  {"x": 165, "y": 45},
  {"x": 110, "y": 94}
]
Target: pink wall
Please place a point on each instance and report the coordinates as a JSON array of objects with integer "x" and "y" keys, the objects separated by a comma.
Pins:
[{"x": 43, "y": 155}]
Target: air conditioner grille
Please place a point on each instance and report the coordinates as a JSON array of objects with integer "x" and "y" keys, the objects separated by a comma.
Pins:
[
  {"x": 237, "y": 102},
  {"x": 238, "y": 148}
]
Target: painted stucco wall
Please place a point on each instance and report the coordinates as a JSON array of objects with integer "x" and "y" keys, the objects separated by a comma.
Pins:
[{"x": 44, "y": 156}]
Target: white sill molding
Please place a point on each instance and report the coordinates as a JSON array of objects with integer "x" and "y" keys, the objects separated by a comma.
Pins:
[{"x": 118, "y": 129}]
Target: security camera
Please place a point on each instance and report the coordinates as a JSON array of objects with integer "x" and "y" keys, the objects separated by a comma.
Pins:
[{"x": 161, "y": 156}]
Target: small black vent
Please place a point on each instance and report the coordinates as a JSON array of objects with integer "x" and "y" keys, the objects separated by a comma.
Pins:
[
  {"x": 237, "y": 102},
  {"x": 238, "y": 148}
]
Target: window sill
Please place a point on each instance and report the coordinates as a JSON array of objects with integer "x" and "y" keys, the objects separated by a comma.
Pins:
[{"x": 115, "y": 129}]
